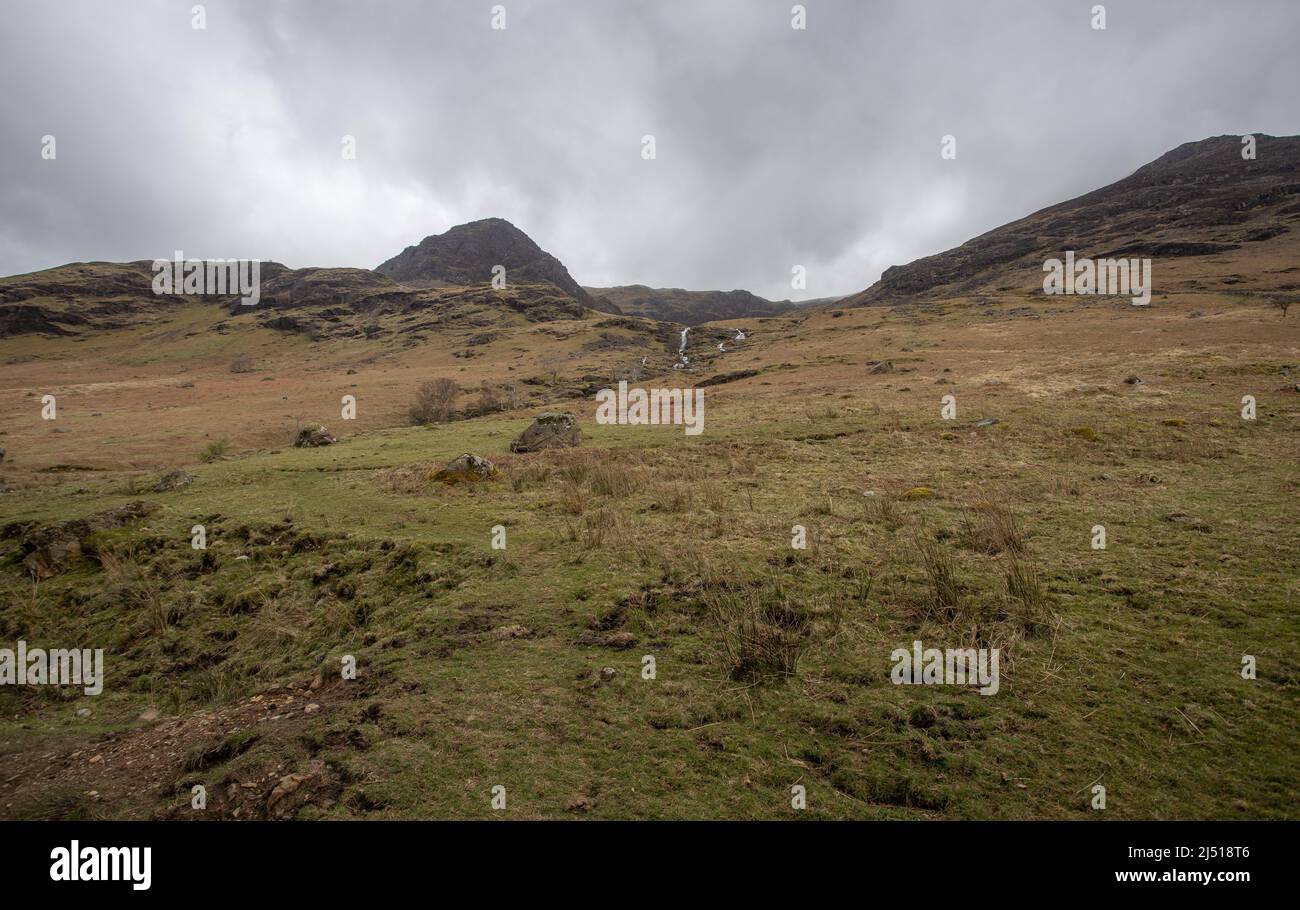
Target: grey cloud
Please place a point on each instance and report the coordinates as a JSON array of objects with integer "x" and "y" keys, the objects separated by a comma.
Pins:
[{"x": 775, "y": 147}]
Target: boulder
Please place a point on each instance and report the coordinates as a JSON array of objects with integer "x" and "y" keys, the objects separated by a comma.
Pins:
[
  {"x": 549, "y": 431},
  {"x": 173, "y": 480},
  {"x": 466, "y": 469},
  {"x": 313, "y": 436}
]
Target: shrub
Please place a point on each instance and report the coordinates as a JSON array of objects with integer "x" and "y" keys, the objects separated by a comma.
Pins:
[
  {"x": 489, "y": 400},
  {"x": 435, "y": 402},
  {"x": 214, "y": 451}
]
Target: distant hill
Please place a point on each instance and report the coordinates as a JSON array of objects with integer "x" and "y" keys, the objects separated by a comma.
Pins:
[
  {"x": 1196, "y": 203},
  {"x": 688, "y": 307},
  {"x": 467, "y": 253}
]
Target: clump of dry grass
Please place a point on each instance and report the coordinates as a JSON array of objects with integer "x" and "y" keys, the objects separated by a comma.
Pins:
[
  {"x": 991, "y": 528},
  {"x": 139, "y": 590},
  {"x": 608, "y": 478},
  {"x": 525, "y": 474},
  {"x": 714, "y": 497},
  {"x": 573, "y": 496},
  {"x": 883, "y": 510},
  {"x": 944, "y": 601},
  {"x": 1027, "y": 607},
  {"x": 405, "y": 479},
  {"x": 674, "y": 498},
  {"x": 761, "y": 632}
]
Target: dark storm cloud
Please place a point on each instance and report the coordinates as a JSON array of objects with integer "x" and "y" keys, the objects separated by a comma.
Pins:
[{"x": 775, "y": 147}]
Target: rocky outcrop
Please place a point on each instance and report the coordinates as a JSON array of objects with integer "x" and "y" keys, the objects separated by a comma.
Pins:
[
  {"x": 467, "y": 253},
  {"x": 173, "y": 480},
  {"x": 49, "y": 549},
  {"x": 549, "y": 431},
  {"x": 313, "y": 436},
  {"x": 465, "y": 469}
]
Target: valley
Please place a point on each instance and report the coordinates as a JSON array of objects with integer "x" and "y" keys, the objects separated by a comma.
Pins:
[{"x": 524, "y": 666}]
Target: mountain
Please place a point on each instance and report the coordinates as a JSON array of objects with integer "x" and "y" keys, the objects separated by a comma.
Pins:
[
  {"x": 1201, "y": 205},
  {"x": 449, "y": 273},
  {"x": 688, "y": 307},
  {"x": 467, "y": 253}
]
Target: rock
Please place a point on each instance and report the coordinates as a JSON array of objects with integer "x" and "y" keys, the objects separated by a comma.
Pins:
[
  {"x": 552, "y": 430},
  {"x": 311, "y": 708},
  {"x": 1133, "y": 380},
  {"x": 173, "y": 480},
  {"x": 149, "y": 714},
  {"x": 608, "y": 673},
  {"x": 722, "y": 378},
  {"x": 620, "y": 641},
  {"x": 466, "y": 469},
  {"x": 986, "y": 422},
  {"x": 881, "y": 366},
  {"x": 48, "y": 549},
  {"x": 919, "y": 493},
  {"x": 84, "y": 712},
  {"x": 2, "y": 453},
  {"x": 314, "y": 436},
  {"x": 508, "y": 633},
  {"x": 288, "y": 784},
  {"x": 577, "y": 804}
]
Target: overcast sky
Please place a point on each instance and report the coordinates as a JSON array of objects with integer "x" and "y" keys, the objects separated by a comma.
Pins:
[{"x": 774, "y": 147}]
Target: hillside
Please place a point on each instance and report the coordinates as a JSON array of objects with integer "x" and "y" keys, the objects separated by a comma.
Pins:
[
  {"x": 688, "y": 307},
  {"x": 524, "y": 665},
  {"x": 1209, "y": 219}
]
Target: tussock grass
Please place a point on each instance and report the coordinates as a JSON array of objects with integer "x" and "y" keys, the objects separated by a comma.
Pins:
[
  {"x": 761, "y": 632},
  {"x": 991, "y": 527}
]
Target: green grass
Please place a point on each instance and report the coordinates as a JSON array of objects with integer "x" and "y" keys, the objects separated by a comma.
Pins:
[{"x": 1119, "y": 666}]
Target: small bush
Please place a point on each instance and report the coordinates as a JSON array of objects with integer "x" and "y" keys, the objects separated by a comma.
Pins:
[
  {"x": 435, "y": 402},
  {"x": 489, "y": 400},
  {"x": 214, "y": 451}
]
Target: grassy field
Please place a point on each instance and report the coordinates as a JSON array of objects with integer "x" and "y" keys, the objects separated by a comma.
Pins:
[{"x": 479, "y": 667}]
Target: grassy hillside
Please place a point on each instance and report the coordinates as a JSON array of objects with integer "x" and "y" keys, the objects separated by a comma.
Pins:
[{"x": 479, "y": 667}]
